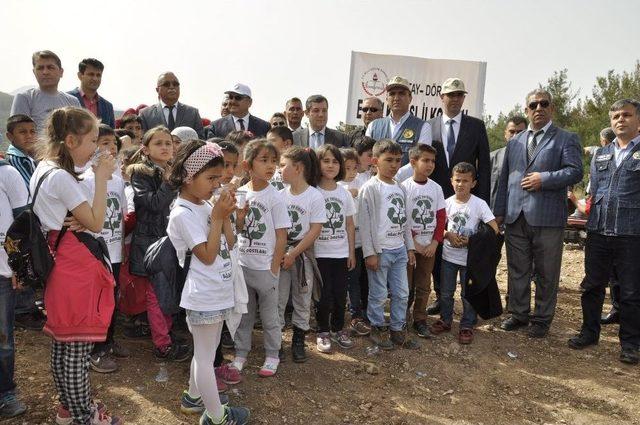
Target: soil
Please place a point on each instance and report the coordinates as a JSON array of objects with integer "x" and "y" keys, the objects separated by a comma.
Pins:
[{"x": 502, "y": 378}]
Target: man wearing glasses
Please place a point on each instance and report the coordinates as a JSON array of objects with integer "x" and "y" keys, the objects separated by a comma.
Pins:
[
  {"x": 239, "y": 118},
  {"x": 371, "y": 110},
  {"x": 539, "y": 164},
  {"x": 168, "y": 111}
]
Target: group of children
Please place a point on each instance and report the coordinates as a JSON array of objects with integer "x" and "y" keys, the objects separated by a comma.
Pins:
[{"x": 255, "y": 225}]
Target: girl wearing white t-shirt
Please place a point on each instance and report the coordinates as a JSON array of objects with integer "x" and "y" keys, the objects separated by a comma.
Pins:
[
  {"x": 205, "y": 231},
  {"x": 306, "y": 210},
  {"x": 334, "y": 250},
  {"x": 262, "y": 240},
  {"x": 79, "y": 290}
]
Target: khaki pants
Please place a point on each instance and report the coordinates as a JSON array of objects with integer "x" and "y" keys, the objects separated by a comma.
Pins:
[{"x": 419, "y": 286}]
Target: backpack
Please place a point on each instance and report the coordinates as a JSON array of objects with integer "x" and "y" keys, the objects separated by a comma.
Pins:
[{"x": 27, "y": 249}]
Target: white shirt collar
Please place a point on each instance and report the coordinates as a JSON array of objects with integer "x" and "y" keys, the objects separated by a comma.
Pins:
[
  {"x": 245, "y": 119},
  {"x": 457, "y": 118},
  {"x": 544, "y": 129},
  {"x": 312, "y": 131},
  {"x": 402, "y": 118},
  {"x": 164, "y": 105}
]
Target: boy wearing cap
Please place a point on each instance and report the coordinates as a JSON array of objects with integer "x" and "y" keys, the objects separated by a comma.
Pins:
[{"x": 239, "y": 119}]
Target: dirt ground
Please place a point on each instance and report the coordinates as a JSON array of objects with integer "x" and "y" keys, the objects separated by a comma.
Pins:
[{"x": 502, "y": 378}]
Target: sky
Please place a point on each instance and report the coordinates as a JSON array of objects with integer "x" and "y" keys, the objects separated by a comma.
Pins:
[{"x": 286, "y": 48}]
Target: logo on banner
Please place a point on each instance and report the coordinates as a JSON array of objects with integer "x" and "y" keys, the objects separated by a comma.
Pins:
[{"x": 374, "y": 81}]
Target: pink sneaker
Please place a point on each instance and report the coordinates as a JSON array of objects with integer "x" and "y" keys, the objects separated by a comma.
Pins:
[
  {"x": 269, "y": 368},
  {"x": 228, "y": 374},
  {"x": 222, "y": 387},
  {"x": 63, "y": 417},
  {"x": 103, "y": 418}
]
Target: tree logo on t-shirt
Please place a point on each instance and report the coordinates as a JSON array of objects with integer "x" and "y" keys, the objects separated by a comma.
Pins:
[
  {"x": 296, "y": 226},
  {"x": 396, "y": 212},
  {"x": 335, "y": 219},
  {"x": 277, "y": 183},
  {"x": 254, "y": 228},
  {"x": 113, "y": 215},
  {"x": 224, "y": 250},
  {"x": 459, "y": 221},
  {"x": 422, "y": 212}
]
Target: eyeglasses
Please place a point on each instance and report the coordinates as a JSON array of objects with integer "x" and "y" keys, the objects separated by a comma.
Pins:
[
  {"x": 534, "y": 105},
  {"x": 278, "y": 124},
  {"x": 170, "y": 84},
  {"x": 232, "y": 96},
  {"x": 372, "y": 110}
]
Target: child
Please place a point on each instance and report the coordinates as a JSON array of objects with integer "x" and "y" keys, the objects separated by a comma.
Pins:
[
  {"x": 206, "y": 232},
  {"x": 387, "y": 246},
  {"x": 133, "y": 123},
  {"x": 282, "y": 138},
  {"x": 14, "y": 197},
  {"x": 427, "y": 217},
  {"x": 364, "y": 149},
  {"x": 240, "y": 139},
  {"x": 79, "y": 290},
  {"x": 464, "y": 212},
  {"x": 305, "y": 204},
  {"x": 262, "y": 243},
  {"x": 152, "y": 198},
  {"x": 334, "y": 250}
]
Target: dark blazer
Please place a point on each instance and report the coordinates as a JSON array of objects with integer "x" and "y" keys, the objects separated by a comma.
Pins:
[
  {"x": 472, "y": 146},
  {"x": 105, "y": 108},
  {"x": 186, "y": 115},
  {"x": 334, "y": 137},
  {"x": 223, "y": 126}
]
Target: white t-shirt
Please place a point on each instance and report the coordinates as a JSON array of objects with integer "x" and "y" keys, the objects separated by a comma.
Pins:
[
  {"x": 423, "y": 201},
  {"x": 356, "y": 183},
  {"x": 13, "y": 194},
  {"x": 59, "y": 193},
  {"x": 276, "y": 180},
  {"x": 207, "y": 287},
  {"x": 333, "y": 241},
  {"x": 131, "y": 207},
  {"x": 113, "y": 230},
  {"x": 393, "y": 215},
  {"x": 464, "y": 219},
  {"x": 267, "y": 212},
  {"x": 304, "y": 209}
]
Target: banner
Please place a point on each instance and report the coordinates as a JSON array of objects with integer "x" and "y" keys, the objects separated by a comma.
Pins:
[{"x": 370, "y": 73}]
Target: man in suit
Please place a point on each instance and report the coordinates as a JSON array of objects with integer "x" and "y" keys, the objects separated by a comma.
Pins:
[
  {"x": 539, "y": 165},
  {"x": 168, "y": 111},
  {"x": 294, "y": 112},
  {"x": 239, "y": 118},
  {"x": 90, "y": 75},
  {"x": 317, "y": 134},
  {"x": 372, "y": 109},
  {"x": 515, "y": 125}
]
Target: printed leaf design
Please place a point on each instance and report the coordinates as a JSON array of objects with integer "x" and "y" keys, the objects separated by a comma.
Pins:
[
  {"x": 335, "y": 219},
  {"x": 113, "y": 215},
  {"x": 422, "y": 213},
  {"x": 296, "y": 226},
  {"x": 254, "y": 228},
  {"x": 396, "y": 212}
]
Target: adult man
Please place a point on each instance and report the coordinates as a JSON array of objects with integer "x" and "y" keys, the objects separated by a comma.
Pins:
[
  {"x": 224, "y": 106},
  {"x": 90, "y": 76},
  {"x": 293, "y": 112},
  {"x": 613, "y": 233},
  {"x": 168, "y": 111},
  {"x": 38, "y": 102},
  {"x": 372, "y": 109},
  {"x": 401, "y": 125},
  {"x": 540, "y": 163},
  {"x": 239, "y": 117},
  {"x": 515, "y": 125},
  {"x": 317, "y": 134}
]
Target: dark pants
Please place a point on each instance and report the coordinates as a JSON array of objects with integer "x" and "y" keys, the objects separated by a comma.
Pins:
[
  {"x": 614, "y": 291},
  {"x": 602, "y": 254},
  {"x": 26, "y": 301},
  {"x": 330, "y": 313},
  {"x": 437, "y": 268},
  {"x": 7, "y": 345},
  {"x": 358, "y": 287},
  {"x": 101, "y": 348}
]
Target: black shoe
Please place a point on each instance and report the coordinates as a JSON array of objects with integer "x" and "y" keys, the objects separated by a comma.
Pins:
[
  {"x": 610, "y": 318},
  {"x": 282, "y": 355},
  {"x": 137, "y": 332},
  {"x": 581, "y": 341},
  {"x": 537, "y": 330},
  {"x": 422, "y": 330},
  {"x": 178, "y": 339},
  {"x": 298, "y": 347},
  {"x": 511, "y": 324},
  {"x": 226, "y": 340},
  {"x": 434, "y": 308},
  {"x": 33, "y": 321},
  {"x": 629, "y": 356},
  {"x": 174, "y": 353}
]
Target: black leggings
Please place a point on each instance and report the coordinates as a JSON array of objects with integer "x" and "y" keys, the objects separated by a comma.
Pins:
[{"x": 334, "y": 294}]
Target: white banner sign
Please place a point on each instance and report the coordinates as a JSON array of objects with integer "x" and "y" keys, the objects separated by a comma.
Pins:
[{"x": 370, "y": 73}]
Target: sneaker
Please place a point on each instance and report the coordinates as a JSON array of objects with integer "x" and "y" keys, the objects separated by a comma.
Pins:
[
  {"x": 323, "y": 342},
  {"x": 439, "y": 327},
  {"x": 343, "y": 339},
  {"x": 63, "y": 416},
  {"x": 32, "y": 321},
  {"x": 232, "y": 416},
  {"x": 226, "y": 340},
  {"x": 380, "y": 337},
  {"x": 238, "y": 363},
  {"x": 228, "y": 374},
  {"x": 465, "y": 336},
  {"x": 10, "y": 406},
  {"x": 402, "y": 340},
  {"x": 282, "y": 355},
  {"x": 222, "y": 387},
  {"x": 103, "y": 363},
  {"x": 360, "y": 327},
  {"x": 195, "y": 405},
  {"x": 104, "y": 418},
  {"x": 119, "y": 351},
  {"x": 175, "y": 353},
  {"x": 422, "y": 330},
  {"x": 269, "y": 368}
]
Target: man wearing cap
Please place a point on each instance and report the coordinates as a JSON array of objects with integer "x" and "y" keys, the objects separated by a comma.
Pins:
[
  {"x": 372, "y": 109},
  {"x": 401, "y": 125},
  {"x": 168, "y": 111},
  {"x": 317, "y": 134},
  {"x": 239, "y": 118},
  {"x": 294, "y": 112}
]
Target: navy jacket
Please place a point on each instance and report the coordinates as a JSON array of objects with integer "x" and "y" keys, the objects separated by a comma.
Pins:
[
  {"x": 223, "y": 126},
  {"x": 105, "y": 108}
]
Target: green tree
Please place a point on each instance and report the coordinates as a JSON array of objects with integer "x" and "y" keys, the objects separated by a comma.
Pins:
[
  {"x": 335, "y": 219},
  {"x": 254, "y": 228},
  {"x": 422, "y": 213}
]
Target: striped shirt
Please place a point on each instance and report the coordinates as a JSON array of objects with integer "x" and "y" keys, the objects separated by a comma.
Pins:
[{"x": 21, "y": 162}]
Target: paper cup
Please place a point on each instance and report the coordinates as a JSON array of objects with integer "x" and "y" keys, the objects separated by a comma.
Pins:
[{"x": 241, "y": 198}]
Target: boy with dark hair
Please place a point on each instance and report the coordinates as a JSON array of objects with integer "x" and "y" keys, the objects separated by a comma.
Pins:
[
  {"x": 133, "y": 123},
  {"x": 90, "y": 75},
  {"x": 387, "y": 246},
  {"x": 21, "y": 132}
]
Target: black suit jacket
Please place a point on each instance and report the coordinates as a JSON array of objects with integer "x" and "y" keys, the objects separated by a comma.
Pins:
[
  {"x": 472, "y": 146},
  {"x": 186, "y": 116},
  {"x": 334, "y": 137},
  {"x": 223, "y": 126}
]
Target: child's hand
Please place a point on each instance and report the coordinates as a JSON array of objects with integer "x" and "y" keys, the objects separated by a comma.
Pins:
[
  {"x": 105, "y": 167},
  {"x": 225, "y": 205},
  {"x": 354, "y": 192},
  {"x": 412, "y": 257},
  {"x": 464, "y": 241},
  {"x": 454, "y": 239},
  {"x": 287, "y": 261},
  {"x": 371, "y": 262},
  {"x": 241, "y": 213},
  {"x": 16, "y": 284},
  {"x": 419, "y": 248},
  {"x": 430, "y": 250},
  {"x": 351, "y": 262}
]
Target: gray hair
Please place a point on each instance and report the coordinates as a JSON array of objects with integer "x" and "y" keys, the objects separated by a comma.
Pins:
[
  {"x": 539, "y": 91},
  {"x": 619, "y": 104},
  {"x": 607, "y": 134},
  {"x": 380, "y": 103}
]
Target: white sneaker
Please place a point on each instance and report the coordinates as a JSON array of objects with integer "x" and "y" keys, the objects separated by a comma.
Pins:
[
  {"x": 343, "y": 339},
  {"x": 238, "y": 363},
  {"x": 323, "y": 342}
]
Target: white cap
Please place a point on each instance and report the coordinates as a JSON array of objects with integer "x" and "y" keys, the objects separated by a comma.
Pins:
[{"x": 240, "y": 89}]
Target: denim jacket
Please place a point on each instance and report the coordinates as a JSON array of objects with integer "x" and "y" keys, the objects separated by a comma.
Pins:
[{"x": 615, "y": 192}]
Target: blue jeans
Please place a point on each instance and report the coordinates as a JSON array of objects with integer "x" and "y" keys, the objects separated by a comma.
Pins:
[
  {"x": 391, "y": 274},
  {"x": 448, "y": 282},
  {"x": 7, "y": 346}
]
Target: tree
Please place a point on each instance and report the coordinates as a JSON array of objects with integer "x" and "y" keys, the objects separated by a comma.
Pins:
[
  {"x": 113, "y": 215},
  {"x": 396, "y": 212},
  {"x": 335, "y": 219},
  {"x": 495, "y": 129},
  {"x": 422, "y": 213},
  {"x": 296, "y": 226},
  {"x": 253, "y": 228}
]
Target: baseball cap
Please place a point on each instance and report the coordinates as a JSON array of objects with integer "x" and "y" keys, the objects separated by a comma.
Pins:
[
  {"x": 241, "y": 89},
  {"x": 398, "y": 81},
  {"x": 452, "y": 85}
]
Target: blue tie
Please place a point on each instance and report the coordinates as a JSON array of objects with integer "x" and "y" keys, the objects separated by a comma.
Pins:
[
  {"x": 319, "y": 141},
  {"x": 451, "y": 140}
]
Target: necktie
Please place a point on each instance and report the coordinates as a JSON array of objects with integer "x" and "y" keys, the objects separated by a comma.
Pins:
[
  {"x": 319, "y": 141},
  {"x": 241, "y": 122},
  {"x": 171, "y": 121},
  {"x": 531, "y": 147},
  {"x": 451, "y": 140}
]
